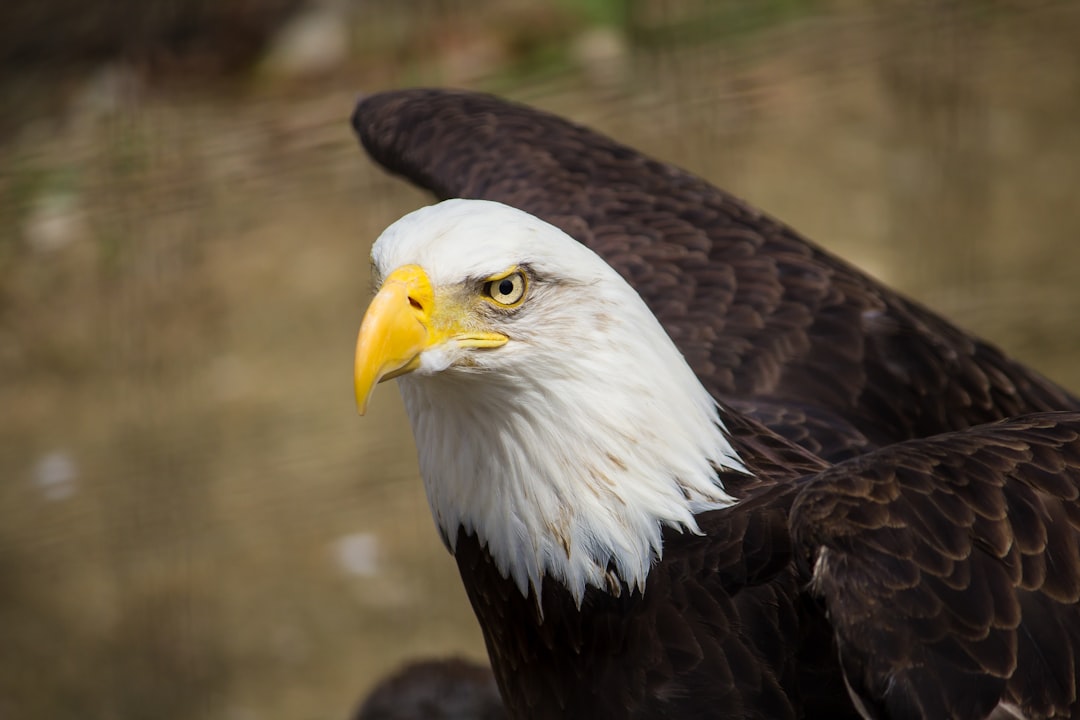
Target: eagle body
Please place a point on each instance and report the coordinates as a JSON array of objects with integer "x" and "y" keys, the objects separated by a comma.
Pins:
[
  {"x": 669, "y": 652},
  {"x": 710, "y": 636},
  {"x": 742, "y": 621},
  {"x": 652, "y": 518}
]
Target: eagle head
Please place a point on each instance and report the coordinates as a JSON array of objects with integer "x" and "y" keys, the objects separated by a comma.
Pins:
[{"x": 553, "y": 416}]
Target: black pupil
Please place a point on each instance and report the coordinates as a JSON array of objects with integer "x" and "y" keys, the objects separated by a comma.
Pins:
[{"x": 506, "y": 286}]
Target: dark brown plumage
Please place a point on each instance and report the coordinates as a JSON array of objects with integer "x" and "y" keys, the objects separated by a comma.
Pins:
[
  {"x": 450, "y": 689},
  {"x": 766, "y": 318},
  {"x": 868, "y": 568},
  {"x": 951, "y": 569}
]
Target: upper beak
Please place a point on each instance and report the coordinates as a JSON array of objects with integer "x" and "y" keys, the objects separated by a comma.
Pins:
[{"x": 394, "y": 331}]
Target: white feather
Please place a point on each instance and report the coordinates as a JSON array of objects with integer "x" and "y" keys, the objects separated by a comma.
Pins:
[{"x": 573, "y": 445}]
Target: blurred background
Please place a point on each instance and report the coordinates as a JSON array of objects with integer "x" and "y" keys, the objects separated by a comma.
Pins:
[{"x": 194, "y": 523}]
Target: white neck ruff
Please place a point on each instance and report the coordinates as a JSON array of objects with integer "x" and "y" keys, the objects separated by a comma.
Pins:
[{"x": 572, "y": 457}]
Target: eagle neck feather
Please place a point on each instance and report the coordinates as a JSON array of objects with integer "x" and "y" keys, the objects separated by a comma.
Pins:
[{"x": 568, "y": 466}]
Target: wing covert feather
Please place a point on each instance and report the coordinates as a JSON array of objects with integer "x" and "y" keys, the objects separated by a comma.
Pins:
[{"x": 950, "y": 569}]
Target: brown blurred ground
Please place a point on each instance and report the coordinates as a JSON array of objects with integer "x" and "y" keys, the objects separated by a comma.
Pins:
[{"x": 193, "y": 521}]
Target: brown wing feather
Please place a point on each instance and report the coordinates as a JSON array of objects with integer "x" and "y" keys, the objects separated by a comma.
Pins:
[
  {"x": 761, "y": 313},
  {"x": 950, "y": 568},
  {"x": 810, "y": 427}
]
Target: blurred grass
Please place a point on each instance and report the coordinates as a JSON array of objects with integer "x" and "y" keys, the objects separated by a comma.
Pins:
[{"x": 183, "y": 266}]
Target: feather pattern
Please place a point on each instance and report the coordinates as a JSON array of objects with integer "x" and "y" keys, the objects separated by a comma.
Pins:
[{"x": 951, "y": 569}]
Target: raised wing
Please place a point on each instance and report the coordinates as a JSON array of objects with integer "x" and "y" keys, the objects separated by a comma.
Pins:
[
  {"x": 950, "y": 570},
  {"x": 761, "y": 313}
]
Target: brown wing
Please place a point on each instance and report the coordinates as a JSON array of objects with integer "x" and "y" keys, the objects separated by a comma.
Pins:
[
  {"x": 808, "y": 426},
  {"x": 950, "y": 568},
  {"x": 760, "y": 313}
]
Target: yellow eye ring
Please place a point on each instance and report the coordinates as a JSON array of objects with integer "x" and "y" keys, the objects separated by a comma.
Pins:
[{"x": 507, "y": 290}]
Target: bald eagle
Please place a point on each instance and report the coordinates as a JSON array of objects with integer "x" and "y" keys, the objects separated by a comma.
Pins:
[
  {"x": 776, "y": 329},
  {"x": 772, "y": 325},
  {"x": 634, "y": 548}
]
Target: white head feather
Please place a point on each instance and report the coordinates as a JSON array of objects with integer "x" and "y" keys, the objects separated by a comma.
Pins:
[{"x": 569, "y": 448}]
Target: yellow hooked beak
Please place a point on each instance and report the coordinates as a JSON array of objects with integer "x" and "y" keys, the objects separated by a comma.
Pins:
[{"x": 400, "y": 324}]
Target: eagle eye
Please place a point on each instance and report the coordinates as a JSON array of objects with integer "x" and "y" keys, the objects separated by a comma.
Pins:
[{"x": 507, "y": 291}]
